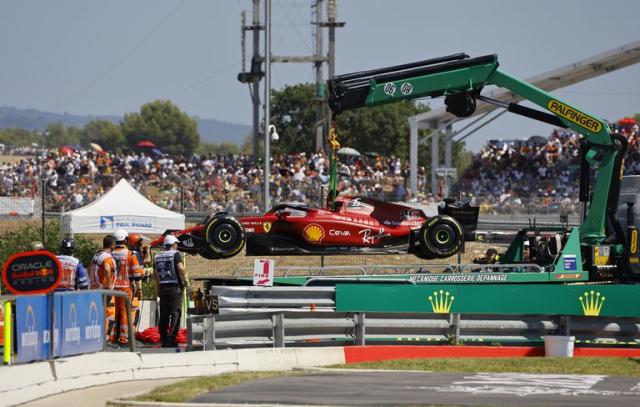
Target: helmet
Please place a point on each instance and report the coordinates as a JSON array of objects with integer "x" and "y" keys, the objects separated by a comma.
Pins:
[
  {"x": 135, "y": 238},
  {"x": 170, "y": 239},
  {"x": 37, "y": 246},
  {"x": 120, "y": 235},
  {"x": 68, "y": 245}
]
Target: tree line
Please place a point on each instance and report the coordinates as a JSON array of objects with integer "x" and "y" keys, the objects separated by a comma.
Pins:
[
  {"x": 160, "y": 121},
  {"x": 382, "y": 130}
]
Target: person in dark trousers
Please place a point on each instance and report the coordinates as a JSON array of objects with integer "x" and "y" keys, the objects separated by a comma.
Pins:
[{"x": 170, "y": 283}]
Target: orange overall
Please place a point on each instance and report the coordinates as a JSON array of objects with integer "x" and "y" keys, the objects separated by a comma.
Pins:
[{"x": 127, "y": 267}]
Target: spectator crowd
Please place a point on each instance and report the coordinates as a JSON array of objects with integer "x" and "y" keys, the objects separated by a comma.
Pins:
[
  {"x": 540, "y": 172},
  {"x": 536, "y": 173}
]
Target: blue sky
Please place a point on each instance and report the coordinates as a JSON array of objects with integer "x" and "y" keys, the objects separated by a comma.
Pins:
[{"x": 99, "y": 57}]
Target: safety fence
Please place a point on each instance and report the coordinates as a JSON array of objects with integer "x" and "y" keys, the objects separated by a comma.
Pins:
[
  {"x": 231, "y": 299},
  {"x": 286, "y": 328},
  {"x": 77, "y": 318}
]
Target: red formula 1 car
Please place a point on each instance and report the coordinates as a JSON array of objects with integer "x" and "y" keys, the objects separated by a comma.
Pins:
[{"x": 356, "y": 226}]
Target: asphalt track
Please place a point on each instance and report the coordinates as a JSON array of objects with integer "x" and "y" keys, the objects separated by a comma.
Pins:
[{"x": 425, "y": 388}]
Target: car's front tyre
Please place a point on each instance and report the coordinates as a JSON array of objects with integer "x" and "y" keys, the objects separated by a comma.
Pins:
[{"x": 224, "y": 236}]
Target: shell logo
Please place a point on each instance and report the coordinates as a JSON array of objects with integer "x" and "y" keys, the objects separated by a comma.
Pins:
[{"x": 313, "y": 233}]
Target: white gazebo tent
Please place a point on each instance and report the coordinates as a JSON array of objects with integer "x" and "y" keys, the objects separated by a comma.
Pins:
[{"x": 121, "y": 207}]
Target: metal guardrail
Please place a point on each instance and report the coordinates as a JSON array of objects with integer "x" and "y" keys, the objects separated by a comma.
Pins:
[
  {"x": 363, "y": 270},
  {"x": 247, "y": 299},
  {"x": 280, "y": 329}
]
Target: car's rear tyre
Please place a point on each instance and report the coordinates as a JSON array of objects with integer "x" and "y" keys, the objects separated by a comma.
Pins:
[
  {"x": 224, "y": 236},
  {"x": 440, "y": 237}
]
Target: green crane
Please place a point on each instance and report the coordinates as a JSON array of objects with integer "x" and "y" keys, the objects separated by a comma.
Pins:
[{"x": 600, "y": 240}]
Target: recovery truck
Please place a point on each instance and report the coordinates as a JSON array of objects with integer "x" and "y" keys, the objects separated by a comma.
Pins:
[
  {"x": 600, "y": 249},
  {"x": 590, "y": 269}
]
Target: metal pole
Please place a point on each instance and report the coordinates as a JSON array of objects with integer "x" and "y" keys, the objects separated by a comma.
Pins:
[
  {"x": 318, "y": 71},
  {"x": 278, "y": 328},
  {"x": 435, "y": 161},
  {"x": 360, "y": 329},
  {"x": 331, "y": 14},
  {"x": 256, "y": 79},
  {"x": 413, "y": 155},
  {"x": 481, "y": 126},
  {"x": 267, "y": 101},
  {"x": 43, "y": 182},
  {"x": 448, "y": 159}
]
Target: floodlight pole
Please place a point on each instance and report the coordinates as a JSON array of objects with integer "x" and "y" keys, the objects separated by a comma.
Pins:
[
  {"x": 267, "y": 101},
  {"x": 43, "y": 184}
]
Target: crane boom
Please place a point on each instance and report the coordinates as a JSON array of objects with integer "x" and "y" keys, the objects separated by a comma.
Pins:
[{"x": 460, "y": 79}]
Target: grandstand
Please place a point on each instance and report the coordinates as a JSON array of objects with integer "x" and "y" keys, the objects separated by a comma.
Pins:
[{"x": 515, "y": 174}]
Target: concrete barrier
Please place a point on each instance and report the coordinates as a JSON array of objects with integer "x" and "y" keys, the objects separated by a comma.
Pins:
[{"x": 23, "y": 383}]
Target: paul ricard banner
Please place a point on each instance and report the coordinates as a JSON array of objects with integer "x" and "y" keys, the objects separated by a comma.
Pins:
[{"x": 113, "y": 222}]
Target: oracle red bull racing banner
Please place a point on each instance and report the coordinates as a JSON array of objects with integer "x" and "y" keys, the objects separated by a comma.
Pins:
[
  {"x": 78, "y": 325},
  {"x": 34, "y": 272}
]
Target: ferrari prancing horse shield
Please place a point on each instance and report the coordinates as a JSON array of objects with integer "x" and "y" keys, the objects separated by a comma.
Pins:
[{"x": 266, "y": 226}]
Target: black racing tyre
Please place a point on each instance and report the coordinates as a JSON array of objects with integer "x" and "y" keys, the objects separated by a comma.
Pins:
[
  {"x": 208, "y": 254},
  {"x": 224, "y": 236},
  {"x": 441, "y": 237}
]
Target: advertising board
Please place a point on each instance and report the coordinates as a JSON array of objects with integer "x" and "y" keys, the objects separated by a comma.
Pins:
[
  {"x": 78, "y": 325},
  {"x": 34, "y": 272}
]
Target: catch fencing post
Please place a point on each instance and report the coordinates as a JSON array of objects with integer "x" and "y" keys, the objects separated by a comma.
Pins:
[
  {"x": 454, "y": 328},
  {"x": 43, "y": 181},
  {"x": 278, "y": 329},
  {"x": 565, "y": 325},
  {"x": 360, "y": 328},
  {"x": 209, "y": 323},
  {"x": 189, "y": 323}
]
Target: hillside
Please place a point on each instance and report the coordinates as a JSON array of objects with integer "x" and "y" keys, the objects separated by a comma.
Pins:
[{"x": 211, "y": 130}]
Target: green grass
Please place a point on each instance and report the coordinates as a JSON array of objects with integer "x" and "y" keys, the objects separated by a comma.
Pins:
[
  {"x": 582, "y": 365},
  {"x": 188, "y": 389}
]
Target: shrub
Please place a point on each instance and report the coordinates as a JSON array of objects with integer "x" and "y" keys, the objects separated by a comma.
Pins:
[{"x": 19, "y": 239}]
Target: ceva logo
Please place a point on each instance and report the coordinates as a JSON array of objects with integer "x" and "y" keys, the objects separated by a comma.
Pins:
[
  {"x": 29, "y": 339},
  {"x": 93, "y": 330},
  {"x": 106, "y": 222},
  {"x": 72, "y": 334}
]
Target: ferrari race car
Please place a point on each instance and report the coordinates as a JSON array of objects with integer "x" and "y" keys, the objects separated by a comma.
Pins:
[{"x": 356, "y": 226}]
